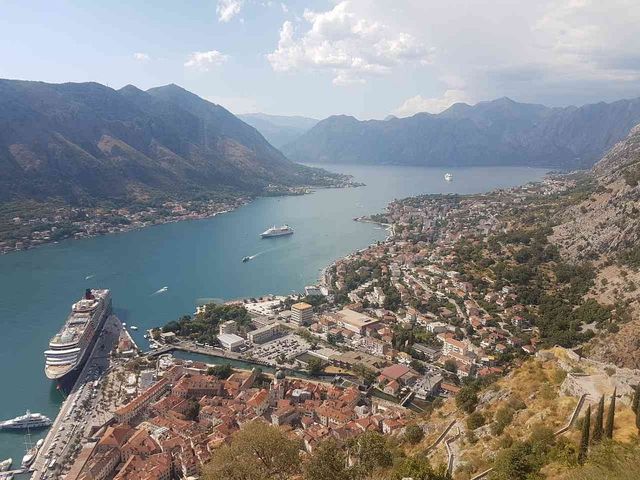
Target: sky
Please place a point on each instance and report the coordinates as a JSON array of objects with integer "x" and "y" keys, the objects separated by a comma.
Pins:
[{"x": 366, "y": 58}]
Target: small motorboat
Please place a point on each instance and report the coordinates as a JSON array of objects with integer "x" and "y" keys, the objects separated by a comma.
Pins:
[{"x": 245, "y": 259}]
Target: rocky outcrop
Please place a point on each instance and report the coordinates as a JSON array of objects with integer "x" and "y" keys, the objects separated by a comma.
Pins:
[{"x": 608, "y": 220}]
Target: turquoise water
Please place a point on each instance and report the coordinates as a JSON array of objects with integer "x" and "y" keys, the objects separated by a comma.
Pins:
[{"x": 195, "y": 260}]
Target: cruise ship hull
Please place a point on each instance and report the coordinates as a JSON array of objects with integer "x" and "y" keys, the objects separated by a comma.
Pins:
[
  {"x": 66, "y": 375},
  {"x": 279, "y": 234}
]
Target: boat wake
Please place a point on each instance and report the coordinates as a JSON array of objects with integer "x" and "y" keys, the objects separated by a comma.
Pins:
[
  {"x": 158, "y": 292},
  {"x": 89, "y": 277}
]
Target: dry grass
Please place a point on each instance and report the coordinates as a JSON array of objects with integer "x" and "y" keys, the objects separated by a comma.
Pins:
[{"x": 537, "y": 384}]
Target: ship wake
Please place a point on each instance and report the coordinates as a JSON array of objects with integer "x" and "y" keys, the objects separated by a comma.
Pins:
[{"x": 159, "y": 292}]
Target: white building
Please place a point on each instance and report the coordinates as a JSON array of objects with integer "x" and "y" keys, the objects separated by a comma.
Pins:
[
  {"x": 436, "y": 327},
  {"x": 230, "y": 341},
  {"x": 379, "y": 296},
  {"x": 354, "y": 321},
  {"x": 312, "y": 290},
  {"x": 229, "y": 326},
  {"x": 264, "y": 334},
  {"x": 301, "y": 313}
]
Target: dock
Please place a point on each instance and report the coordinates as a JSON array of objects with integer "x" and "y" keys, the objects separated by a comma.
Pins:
[{"x": 65, "y": 435}]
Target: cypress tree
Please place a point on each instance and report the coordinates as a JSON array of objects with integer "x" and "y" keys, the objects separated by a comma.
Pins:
[
  {"x": 638, "y": 417},
  {"x": 608, "y": 430},
  {"x": 584, "y": 440},
  {"x": 597, "y": 426},
  {"x": 636, "y": 399}
]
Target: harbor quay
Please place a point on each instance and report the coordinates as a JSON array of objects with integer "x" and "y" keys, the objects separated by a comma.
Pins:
[{"x": 85, "y": 408}]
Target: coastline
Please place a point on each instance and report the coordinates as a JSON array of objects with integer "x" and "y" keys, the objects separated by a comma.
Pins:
[
  {"x": 389, "y": 227},
  {"x": 131, "y": 228},
  {"x": 163, "y": 220}
]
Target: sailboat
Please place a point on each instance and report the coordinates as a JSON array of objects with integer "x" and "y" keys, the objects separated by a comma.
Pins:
[{"x": 30, "y": 450}]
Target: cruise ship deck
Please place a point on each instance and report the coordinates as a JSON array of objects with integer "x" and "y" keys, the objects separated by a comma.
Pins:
[{"x": 68, "y": 347}]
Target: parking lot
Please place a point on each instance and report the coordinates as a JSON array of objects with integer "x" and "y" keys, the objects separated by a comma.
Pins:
[{"x": 285, "y": 348}]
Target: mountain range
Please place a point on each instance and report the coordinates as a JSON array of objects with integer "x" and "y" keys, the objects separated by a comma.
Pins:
[
  {"x": 498, "y": 132},
  {"x": 85, "y": 141},
  {"x": 279, "y": 129}
]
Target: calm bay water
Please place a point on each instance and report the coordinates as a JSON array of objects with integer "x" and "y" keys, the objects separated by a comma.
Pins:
[{"x": 195, "y": 260}]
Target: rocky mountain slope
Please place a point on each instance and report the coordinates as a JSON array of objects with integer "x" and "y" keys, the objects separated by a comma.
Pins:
[
  {"x": 84, "y": 142},
  {"x": 499, "y": 132},
  {"x": 607, "y": 221},
  {"x": 604, "y": 228},
  {"x": 279, "y": 130}
]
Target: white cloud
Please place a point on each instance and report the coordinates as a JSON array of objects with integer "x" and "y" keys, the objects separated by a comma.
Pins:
[
  {"x": 555, "y": 52},
  {"x": 141, "y": 57},
  {"x": 591, "y": 40},
  {"x": 205, "y": 60},
  {"x": 227, "y": 9},
  {"x": 348, "y": 43},
  {"x": 284, "y": 7},
  {"x": 418, "y": 104}
]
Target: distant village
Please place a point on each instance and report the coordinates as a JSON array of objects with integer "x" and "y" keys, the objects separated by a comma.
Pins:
[{"x": 29, "y": 230}]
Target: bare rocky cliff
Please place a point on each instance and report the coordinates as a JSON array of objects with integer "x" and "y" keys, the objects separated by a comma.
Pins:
[{"x": 608, "y": 220}]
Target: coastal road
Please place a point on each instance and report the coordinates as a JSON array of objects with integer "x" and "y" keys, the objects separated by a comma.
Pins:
[{"x": 78, "y": 412}]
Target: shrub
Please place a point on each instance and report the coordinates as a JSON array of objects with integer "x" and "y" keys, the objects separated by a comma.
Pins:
[
  {"x": 503, "y": 418},
  {"x": 467, "y": 398},
  {"x": 413, "y": 434},
  {"x": 475, "y": 420}
]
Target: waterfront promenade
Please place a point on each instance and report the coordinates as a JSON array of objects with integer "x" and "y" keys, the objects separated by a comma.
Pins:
[{"x": 79, "y": 413}]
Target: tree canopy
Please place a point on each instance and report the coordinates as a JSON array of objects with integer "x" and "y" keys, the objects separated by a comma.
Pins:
[{"x": 257, "y": 452}]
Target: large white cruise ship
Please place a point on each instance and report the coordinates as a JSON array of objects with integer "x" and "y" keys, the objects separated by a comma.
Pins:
[
  {"x": 69, "y": 348},
  {"x": 277, "y": 231}
]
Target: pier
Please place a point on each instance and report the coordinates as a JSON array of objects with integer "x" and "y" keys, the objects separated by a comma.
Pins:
[{"x": 66, "y": 433}]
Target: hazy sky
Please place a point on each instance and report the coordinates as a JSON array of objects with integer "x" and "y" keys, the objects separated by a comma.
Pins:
[{"x": 317, "y": 58}]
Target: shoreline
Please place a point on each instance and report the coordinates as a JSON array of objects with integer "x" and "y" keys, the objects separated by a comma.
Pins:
[
  {"x": 243, "y": 201},
  {"x": 157, "y": 222},
  {"x": 389, "y": 227}
]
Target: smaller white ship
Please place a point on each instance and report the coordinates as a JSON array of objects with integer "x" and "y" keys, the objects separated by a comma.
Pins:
[
  {"x": 133, "y": 327},
  {"x": 28, "y": 458},
  {"x": 277, "y": 231},
  {"x": 28, "y": 420},
  {"x": 32, "y": 451},
  {"x": 448, "y": 177},
  {"x": 6, "y": 464}
]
